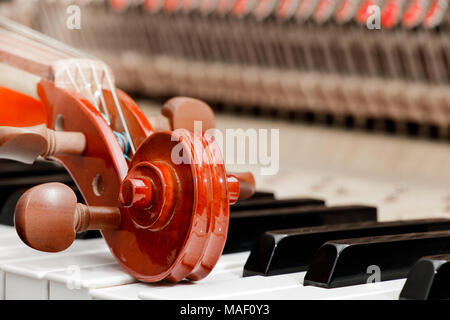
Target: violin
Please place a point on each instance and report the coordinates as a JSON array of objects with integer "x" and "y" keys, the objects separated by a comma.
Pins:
[{"x": 158, "y": 192}]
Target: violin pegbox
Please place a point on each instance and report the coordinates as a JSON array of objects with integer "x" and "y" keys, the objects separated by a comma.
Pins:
[
  {"x": 177, "y": 194},
  {"x": 183, "y": 204}
]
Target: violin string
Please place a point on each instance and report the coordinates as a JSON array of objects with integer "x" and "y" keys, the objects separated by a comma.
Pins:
[
  {"x": 124, "y": 141},
  {"x": 42, "y": 40},
  {"x": 99, "y": 94},
  {"x": 87, "y": 86},
  {"x": 71, "y": 78},
  {"x": 119, "y": 108}
]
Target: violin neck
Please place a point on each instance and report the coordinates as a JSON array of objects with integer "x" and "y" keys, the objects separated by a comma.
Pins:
[{"x": 25, "y": 50}]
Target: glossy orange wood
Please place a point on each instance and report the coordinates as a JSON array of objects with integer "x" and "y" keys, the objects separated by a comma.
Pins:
[
  {"x": 136, "y": 192},
  {"x": 245, "y": 187},
  {"x": 220, "y": 210},
  {"x": 137, "y": 122},
  {"x": 167, "y": 241},
  {"x": 233, "y": 188},
  {"x": 26, "y": 144},
  {"x": 188, "y": 214},
  {"x": 183, "y": 112},
  {"x": 47, "y": 217},
  {"x": 13, "y": 107}
]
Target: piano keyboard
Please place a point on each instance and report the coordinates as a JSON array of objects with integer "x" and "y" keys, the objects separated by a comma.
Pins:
[
  {"x": 327, "y": 170},
  {"x": 88, "y": 271}
]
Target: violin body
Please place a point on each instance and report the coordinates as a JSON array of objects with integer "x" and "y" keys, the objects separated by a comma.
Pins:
[{"x": 159, "y": 194}]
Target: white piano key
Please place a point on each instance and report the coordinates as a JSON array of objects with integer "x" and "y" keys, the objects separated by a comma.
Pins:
[
  {"x": 224, "y": 287},
  {"x": 21, "y": 271},
  {"x": 7, "y": 232},
  {"x": 26, "y": 279},
  {"x": 21, "y": 252},
  {"x": 14, "y": 254},
  {"x": 75, "y": 284},
  {"x": 25, "y": 270},
  {"x": 132, "y": 291},
  {"x": 126, "y": 292},
  {"x": 231, "y": 261},
  {"x": 8, "y": 242},
  {"x": 108, "y": 281},
  {"x": 386, "y": 290},
  {"x": 4, "y": 229},
  {"x": 229, "y": 267},
  {"x": 284, "y": 287},
  {"x": 9, "y": 238}
]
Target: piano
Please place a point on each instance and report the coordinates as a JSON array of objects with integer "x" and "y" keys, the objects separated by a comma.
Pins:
[
  {"x": 360, "y": 205},
  {"x": 411, "y": 191}
]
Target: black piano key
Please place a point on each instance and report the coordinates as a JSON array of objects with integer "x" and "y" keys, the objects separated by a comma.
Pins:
[
  {"x": 271, "y": 203},
  {"x": 16, "y": 178},
  {"x": 260, "y": 195},
  {"x": 429, "y": 279},
  {"x": 8, "y": 205},
  {"x": 340, "y": 263},
  {"x": 246, "y": 226},
  {"x": 287, "y": 251},
  {"x": 11, "y": 170},
  {"x": 89, "y": 234}
]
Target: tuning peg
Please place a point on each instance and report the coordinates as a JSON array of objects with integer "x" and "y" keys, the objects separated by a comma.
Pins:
[
  {"x": 138, "y": 192},
  {"x": 241, "y": 186},
  {"x": 28, "y": 143},
  {"x": 47, "y": 217},
  {"x": 181, "y": 113}
]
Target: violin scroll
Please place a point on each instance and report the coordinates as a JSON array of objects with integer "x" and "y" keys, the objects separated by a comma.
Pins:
[
  {"x": 158, "y": 191},
  {"x": 180, "y": 203}
]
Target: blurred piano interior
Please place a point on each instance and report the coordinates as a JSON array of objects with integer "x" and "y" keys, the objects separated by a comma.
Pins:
[{"x": 363, "y": 117}]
